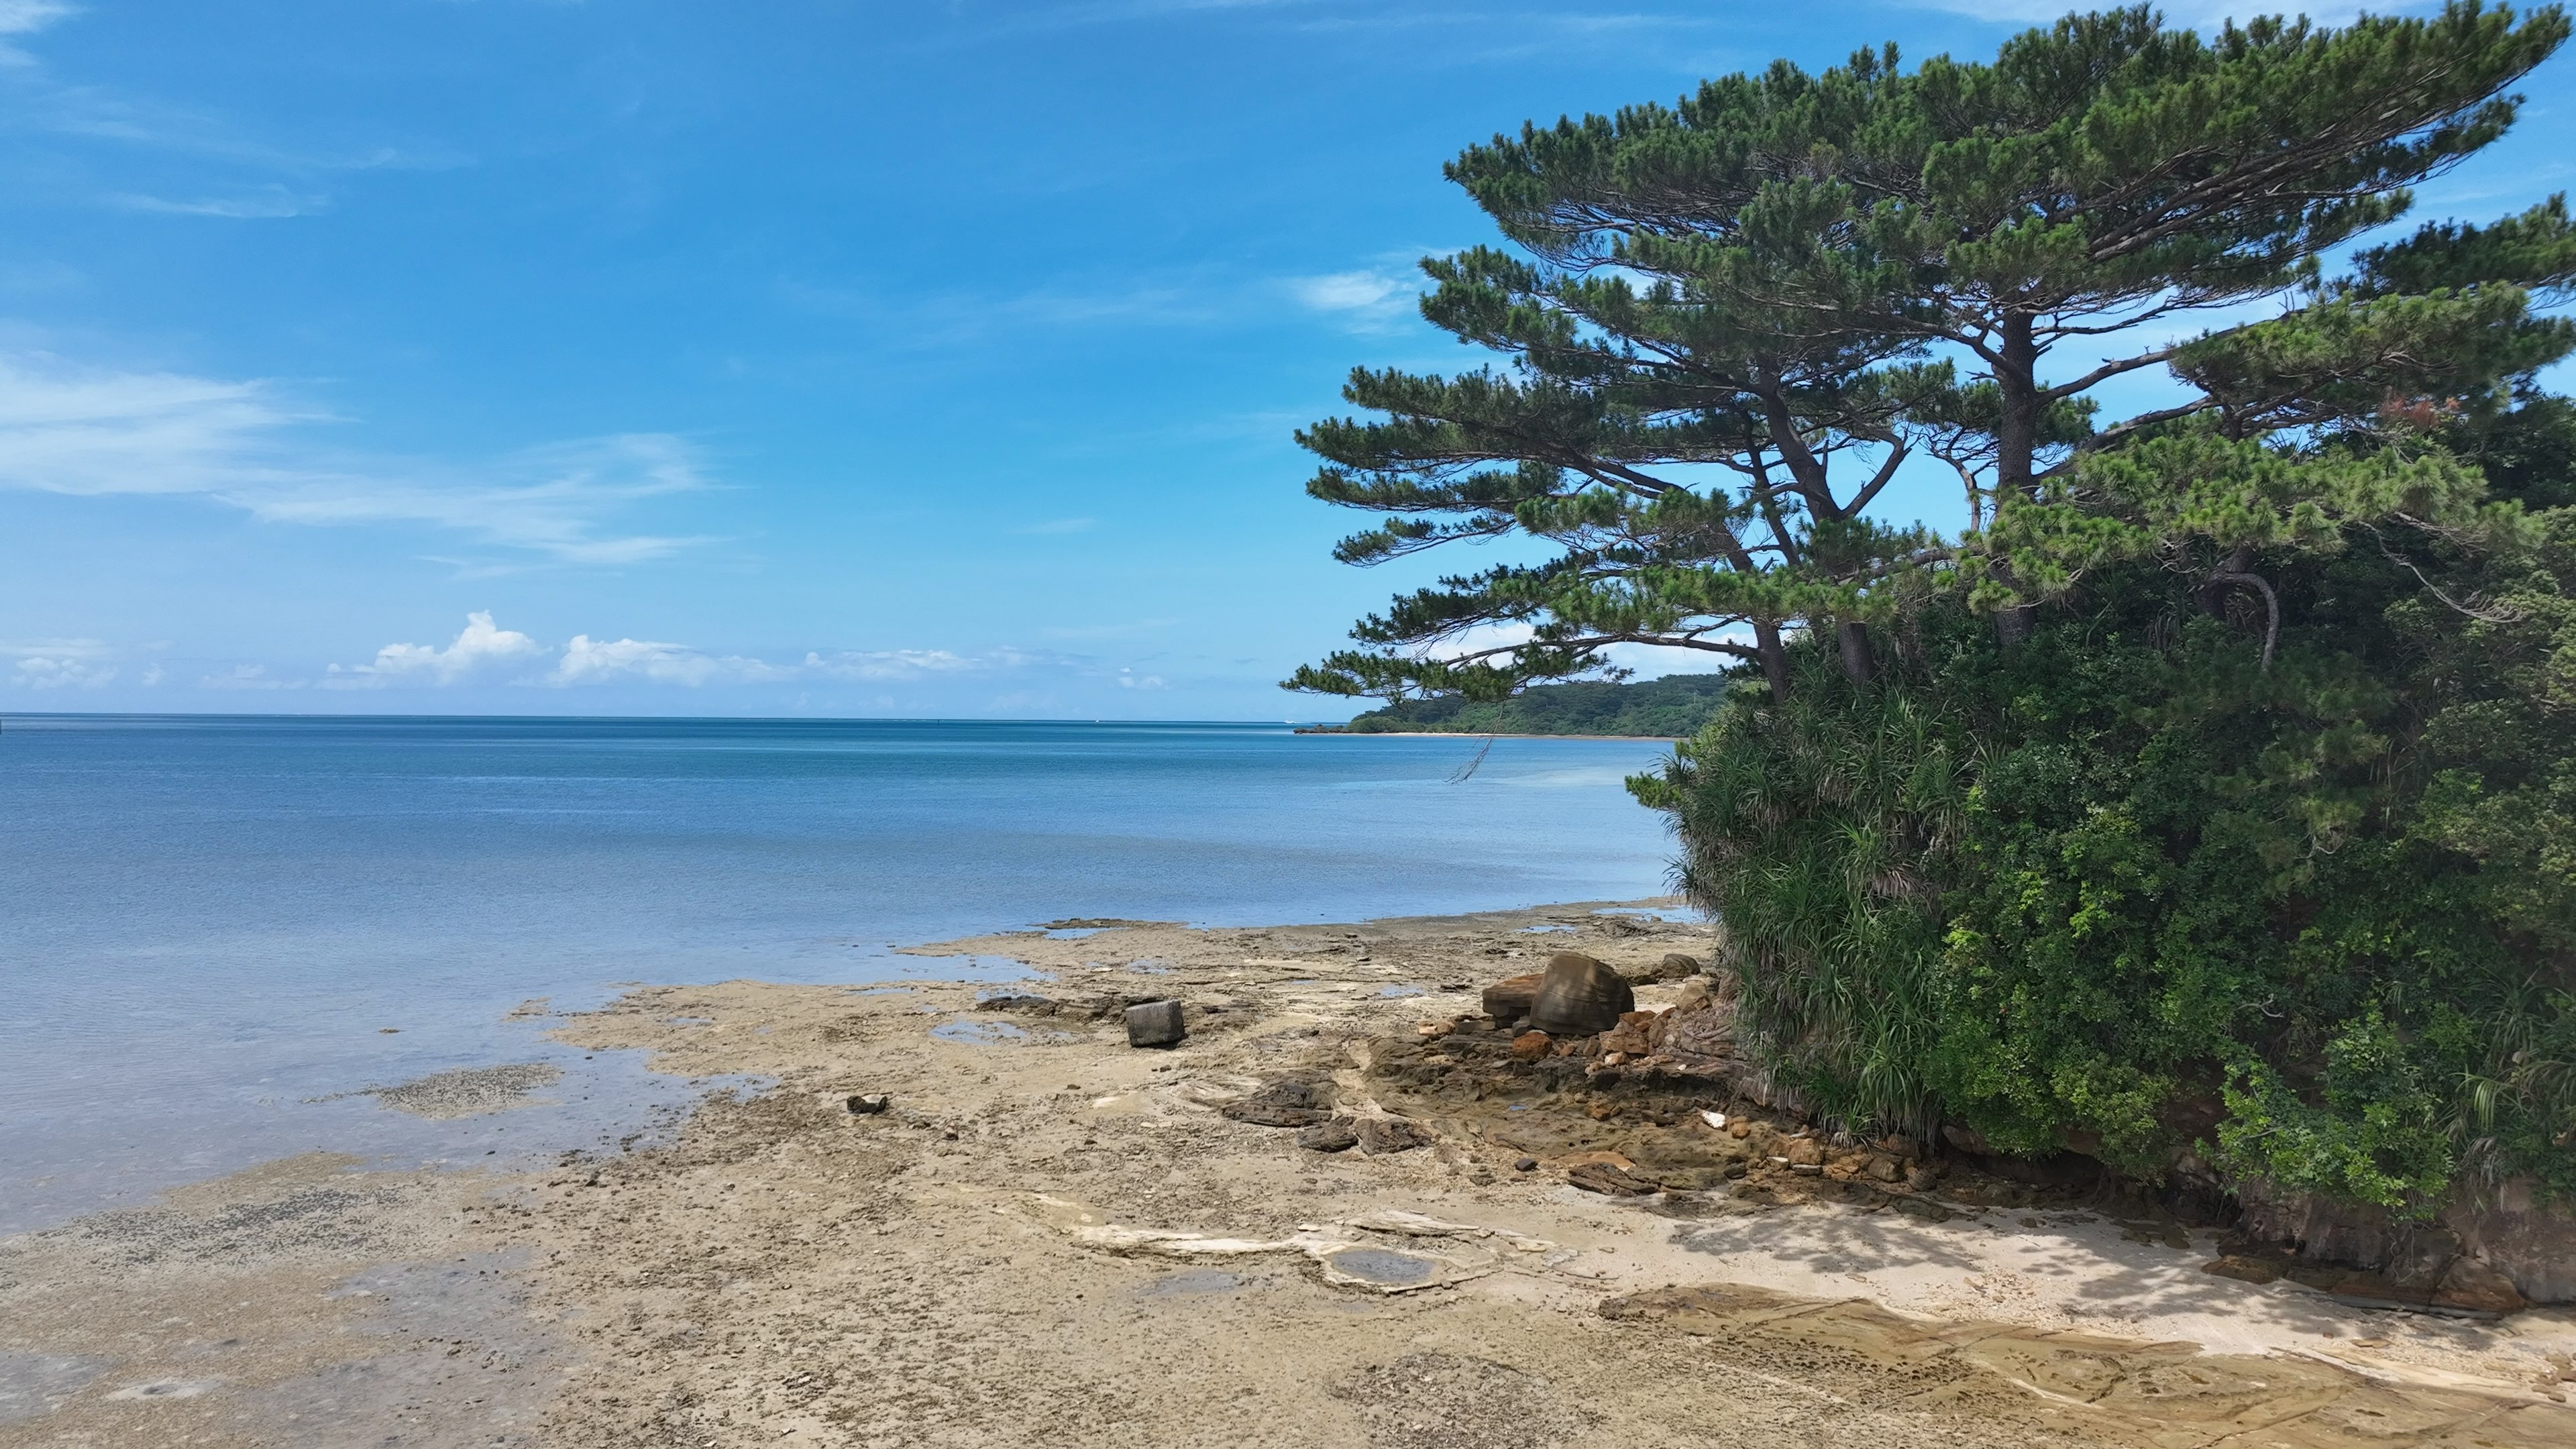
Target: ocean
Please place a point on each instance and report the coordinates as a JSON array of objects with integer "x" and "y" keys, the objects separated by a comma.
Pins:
[{"x": 211, "y": 928}]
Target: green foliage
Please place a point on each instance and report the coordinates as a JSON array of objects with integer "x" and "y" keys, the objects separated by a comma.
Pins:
[
  {"x": 1735, "y": 317},
  {"x": 1672, "y": 707},
  {"x": 2123, "y": 887},
  {"x": 2214, "y": 791}
]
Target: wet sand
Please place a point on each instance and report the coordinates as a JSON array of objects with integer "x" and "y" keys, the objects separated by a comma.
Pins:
[{"x": 1049, "y": 1237}]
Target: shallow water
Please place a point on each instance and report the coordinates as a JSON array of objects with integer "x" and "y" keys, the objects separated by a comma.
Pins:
[{"x": 207, "y": 923}]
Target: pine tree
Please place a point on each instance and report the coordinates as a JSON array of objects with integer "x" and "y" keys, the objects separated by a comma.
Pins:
[{"x": 1738, "y": 316}]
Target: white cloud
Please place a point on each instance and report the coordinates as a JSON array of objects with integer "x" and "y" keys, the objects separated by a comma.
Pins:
[
  {"x": 21, "y": 17},
  {"x": 485, "y": 653},
  {"x": 1368, "y": 296},
  {"x": 38, "y": 671},
  {"x": 480, "y": 648},
  {"x": 97, "y": 432},
  {"x": 259, "y": 203},
  {"x": 63, "y": 663},
  {"x": 1129, "y": 679},
  {"x": 247, "y": 676},
  {"x": 589, "y": 661},
  {"x": 899, "y": 663}
]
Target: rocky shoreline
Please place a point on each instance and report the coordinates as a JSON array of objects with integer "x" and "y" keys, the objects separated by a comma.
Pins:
[{"x": 1348, "y": 1207}]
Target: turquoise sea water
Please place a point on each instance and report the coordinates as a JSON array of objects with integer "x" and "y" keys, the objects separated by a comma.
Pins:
[{"x": 207, "y": 923}]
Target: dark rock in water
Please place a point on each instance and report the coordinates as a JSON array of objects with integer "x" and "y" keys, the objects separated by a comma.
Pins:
[
  {"x": 1578, "y": 996},
  {"x": 1280, "y": 1104},
  {"x": 1333, "y": 1136},
  {"x": 1509, "y": 1000},
  {"x": 1155, "y": 1024},
  {"x": 1391, "y": 1134},
  {"x": 870, "y": 1104}
]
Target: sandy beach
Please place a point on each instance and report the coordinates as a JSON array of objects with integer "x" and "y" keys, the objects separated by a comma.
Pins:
[{"x": 1048, "y": 1237}]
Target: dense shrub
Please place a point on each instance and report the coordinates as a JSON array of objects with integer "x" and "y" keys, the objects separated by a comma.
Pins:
[{"x": 2123, "y": 887}]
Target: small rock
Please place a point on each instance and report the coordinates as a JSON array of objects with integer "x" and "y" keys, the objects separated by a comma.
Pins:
[
  {"x": 1332, "y": 1136},
  {"x": 1525, "y": 1164},
  {"x": 1155, "y": 1024},
  {"x": 1529, "y": 1046},
  {"x": 1381, "y": 1135},
  {"x": 1921, "y": 1176},
  {"x": 1884, "y": 1169},
  {"x": 1740, "y": 1131},
  {"x": 870, "y": 1104},
  {"x": 1481, "y": 1176},
  {"x": 2475, "y": 1285},
  {"x": 1806, "y": 1152},
  {"x": 1679, "y": 966}
]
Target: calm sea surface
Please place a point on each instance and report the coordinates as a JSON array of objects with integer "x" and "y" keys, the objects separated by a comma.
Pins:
[{"x": 208, "y": 923}]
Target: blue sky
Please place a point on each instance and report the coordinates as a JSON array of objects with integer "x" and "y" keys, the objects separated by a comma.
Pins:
[{"x": 796, "y": 357}]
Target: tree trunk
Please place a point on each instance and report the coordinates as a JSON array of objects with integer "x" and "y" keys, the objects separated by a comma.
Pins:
[
  {"x": 1858, "y": 666},
  {"x": 2016, "y": 441},
  {"x": 1775, "y": 658}
]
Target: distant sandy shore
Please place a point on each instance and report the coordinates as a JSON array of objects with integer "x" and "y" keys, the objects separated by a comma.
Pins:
[{"x": 1048, "y": 1237}]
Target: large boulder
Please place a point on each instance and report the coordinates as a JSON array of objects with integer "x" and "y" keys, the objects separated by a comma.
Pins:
[{"x": 1578, "y": 996}]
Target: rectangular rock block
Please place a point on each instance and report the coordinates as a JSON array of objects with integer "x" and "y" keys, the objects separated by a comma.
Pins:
[{"x": 1155, "y": 1024}]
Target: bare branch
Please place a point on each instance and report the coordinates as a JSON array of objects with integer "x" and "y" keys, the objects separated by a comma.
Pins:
[
  {"x": 1886, "y": 472},
  {"x": 2271, "y": 606}
]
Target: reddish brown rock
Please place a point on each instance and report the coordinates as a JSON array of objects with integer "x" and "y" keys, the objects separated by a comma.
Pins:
[
  {"x": 1633, "y": 1034},
  {"x": 1529, "y": 1046}
]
